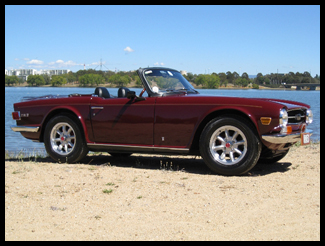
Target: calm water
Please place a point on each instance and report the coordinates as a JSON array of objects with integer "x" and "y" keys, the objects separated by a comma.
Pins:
[{"x": 14, "y": 142}]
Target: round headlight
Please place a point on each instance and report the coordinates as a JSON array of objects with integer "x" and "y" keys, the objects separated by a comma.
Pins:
[
  {"x": 309, "y": 116},
  {"x": 283, "y": 118}
]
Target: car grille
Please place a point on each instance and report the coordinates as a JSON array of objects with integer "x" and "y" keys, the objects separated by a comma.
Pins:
[{"x": 297, "y": 116}]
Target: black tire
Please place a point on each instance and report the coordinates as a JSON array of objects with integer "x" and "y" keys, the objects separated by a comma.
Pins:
[
  {"x": 64, "y": 140},
  {"x": 229, "y": 146}
]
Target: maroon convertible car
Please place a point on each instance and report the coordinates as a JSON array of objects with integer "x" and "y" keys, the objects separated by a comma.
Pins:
[{"x": 231, "y": 134}]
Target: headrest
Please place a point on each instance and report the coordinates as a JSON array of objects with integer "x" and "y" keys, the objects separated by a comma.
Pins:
[
  {"x": 122, "y": 92},
  {"x": 102, "y": 92}
]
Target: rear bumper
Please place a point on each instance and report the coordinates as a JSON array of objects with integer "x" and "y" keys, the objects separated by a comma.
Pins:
[
  {"x": 24, "y": 128},
  {"x": 282, "y": 138}
]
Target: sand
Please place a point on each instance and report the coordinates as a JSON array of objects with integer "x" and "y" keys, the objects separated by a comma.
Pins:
[{"x": 162, "y": 198}]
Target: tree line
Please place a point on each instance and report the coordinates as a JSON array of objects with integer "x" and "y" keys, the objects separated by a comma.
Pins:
[
  {"x": 91, "y": 78},
  {"x": 215, "y": 80}
]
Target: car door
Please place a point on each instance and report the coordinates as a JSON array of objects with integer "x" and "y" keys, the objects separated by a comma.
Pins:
[
  {"x": 176, "y": 117},
  {"x": 122, "y": 120}
]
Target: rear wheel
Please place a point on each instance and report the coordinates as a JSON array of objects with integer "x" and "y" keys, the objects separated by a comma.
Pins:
[
  {"x": 229, "y": 146},
  {"x": 64, "y": 141}
]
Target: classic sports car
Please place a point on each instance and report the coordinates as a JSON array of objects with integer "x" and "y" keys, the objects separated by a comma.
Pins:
[{"x": 231, "y": 134}]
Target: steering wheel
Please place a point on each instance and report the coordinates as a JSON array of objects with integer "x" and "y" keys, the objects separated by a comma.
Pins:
[{"x": 141, "y": 93}]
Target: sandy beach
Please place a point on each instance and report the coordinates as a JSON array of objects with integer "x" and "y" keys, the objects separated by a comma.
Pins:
[{"x": 162, "y": 198}]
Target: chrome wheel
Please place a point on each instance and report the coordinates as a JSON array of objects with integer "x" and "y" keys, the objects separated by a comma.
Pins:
[
  {"x": 62, "y": 138},
  {"x": 228, "y": 145}
]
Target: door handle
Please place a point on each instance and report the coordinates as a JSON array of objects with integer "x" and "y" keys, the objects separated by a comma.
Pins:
[{"x": 96, "y": 107}]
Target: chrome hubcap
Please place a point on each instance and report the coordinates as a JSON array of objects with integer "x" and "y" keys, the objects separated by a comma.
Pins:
[
  {"x": 62, "y": 138},
  {"x": 228, "y": 145}
]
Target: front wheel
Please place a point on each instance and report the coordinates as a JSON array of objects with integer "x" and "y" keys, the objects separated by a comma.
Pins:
[
  {"x": 229, "y": 146},
  {"x": 63, "y": 140}
]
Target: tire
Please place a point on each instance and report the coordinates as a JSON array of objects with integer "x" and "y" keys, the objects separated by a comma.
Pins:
[
  {"x": 63, "y": 139},
  {"x": 229, "y": 146}
]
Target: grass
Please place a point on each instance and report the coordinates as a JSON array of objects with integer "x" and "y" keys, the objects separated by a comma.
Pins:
[
  {"x": 25, "y": 154},
  {"x": 106, "y": 191}
]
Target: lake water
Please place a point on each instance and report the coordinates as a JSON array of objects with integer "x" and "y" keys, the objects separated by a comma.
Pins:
[{"x": 15, "y": 142}]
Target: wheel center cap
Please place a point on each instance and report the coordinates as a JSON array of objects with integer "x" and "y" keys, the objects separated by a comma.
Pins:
[
  {"x": 62, "y": 138},
  {"x": 228, "y": 145}
]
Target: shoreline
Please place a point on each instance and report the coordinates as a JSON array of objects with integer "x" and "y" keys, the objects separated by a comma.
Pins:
[
  {"x": 147, "y": 197},
  {"x": 220, "y": 88}
]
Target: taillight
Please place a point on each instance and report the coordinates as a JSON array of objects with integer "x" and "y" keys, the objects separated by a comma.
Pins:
[{"x": 16, "y": 115}]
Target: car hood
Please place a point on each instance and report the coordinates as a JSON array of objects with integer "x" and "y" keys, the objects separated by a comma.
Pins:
[{"x": 288, "y": 104}]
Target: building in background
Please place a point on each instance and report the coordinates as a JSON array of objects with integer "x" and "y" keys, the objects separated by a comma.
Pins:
[{"x": 24, "y": 73}]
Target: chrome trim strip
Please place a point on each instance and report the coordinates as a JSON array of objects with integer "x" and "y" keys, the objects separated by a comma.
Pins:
[
  {"x": 24, "y": 128},
  {"x": 95, "y": 107},
  {"x": 293, "y": 117},
  {"x": 138, "y": 147}
]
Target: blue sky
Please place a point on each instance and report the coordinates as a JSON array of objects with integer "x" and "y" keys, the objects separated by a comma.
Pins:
[{"x": 198, "y": 39}]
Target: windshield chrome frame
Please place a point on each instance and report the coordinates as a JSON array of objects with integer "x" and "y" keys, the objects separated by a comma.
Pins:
[{"x": 151, "y": 93}]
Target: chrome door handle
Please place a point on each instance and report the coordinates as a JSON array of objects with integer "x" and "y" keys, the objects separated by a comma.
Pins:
[{"x": 96, "y": 107}]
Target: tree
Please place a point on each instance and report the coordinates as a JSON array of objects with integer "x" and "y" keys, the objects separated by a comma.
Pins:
[
  {"x": 213, "y": 81},
  {"x": 230, "y": 77},
  {"x": 47, "y": 78},
  {"x": 199, "y": 80},
  {"x": 91, "y": 79},
  {"x": 242, "y": 82},
  {"x": 190, "y": 77},
  {"x": 236, "y": 75},
  {"x": 259, "y": 79},
  {"x": 11, "y": 80},
  {"x": 223, "y": 79},
  {"x": 71, "y": 77},
  {"x": 245, "y": 75},
  {"x": 208, "y": 81},
  {"x": 256, "y": 86},
  {"x": 114, "y": 78},
  {"x": 35, "y": 80},
  {"x": 58, "y": 80}
]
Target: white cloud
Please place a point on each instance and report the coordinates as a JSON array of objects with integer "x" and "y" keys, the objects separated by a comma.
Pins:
[
  {"x": 60, "y": 63},
  {"x": 128, "y": 49},
  {"x": 35, "y": 62},
  {"x": 71, "y": 63},
  {"x": 159, "y": 64}
]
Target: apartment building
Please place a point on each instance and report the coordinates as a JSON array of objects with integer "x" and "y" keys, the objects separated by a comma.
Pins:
[{"x": 24, "y": 73}]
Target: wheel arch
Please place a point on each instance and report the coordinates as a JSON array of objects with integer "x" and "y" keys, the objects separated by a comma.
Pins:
[
  {"x": 72, "y": 113},
  {"x": 194, "y": 148}
]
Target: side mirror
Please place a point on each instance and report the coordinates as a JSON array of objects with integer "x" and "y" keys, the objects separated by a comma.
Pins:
[{"x": 131, "y": 95}]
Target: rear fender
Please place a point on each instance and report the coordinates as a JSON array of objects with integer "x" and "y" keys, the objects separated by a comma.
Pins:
[{"x": 66, "y": 109}]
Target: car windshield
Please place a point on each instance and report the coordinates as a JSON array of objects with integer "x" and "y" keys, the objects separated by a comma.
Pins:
[{"x": 168, "y": 81}]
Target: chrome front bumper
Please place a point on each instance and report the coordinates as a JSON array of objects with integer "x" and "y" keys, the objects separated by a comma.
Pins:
[
  {"x": 282, "y": 138},
  {"x": 24, "y": 128}
]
